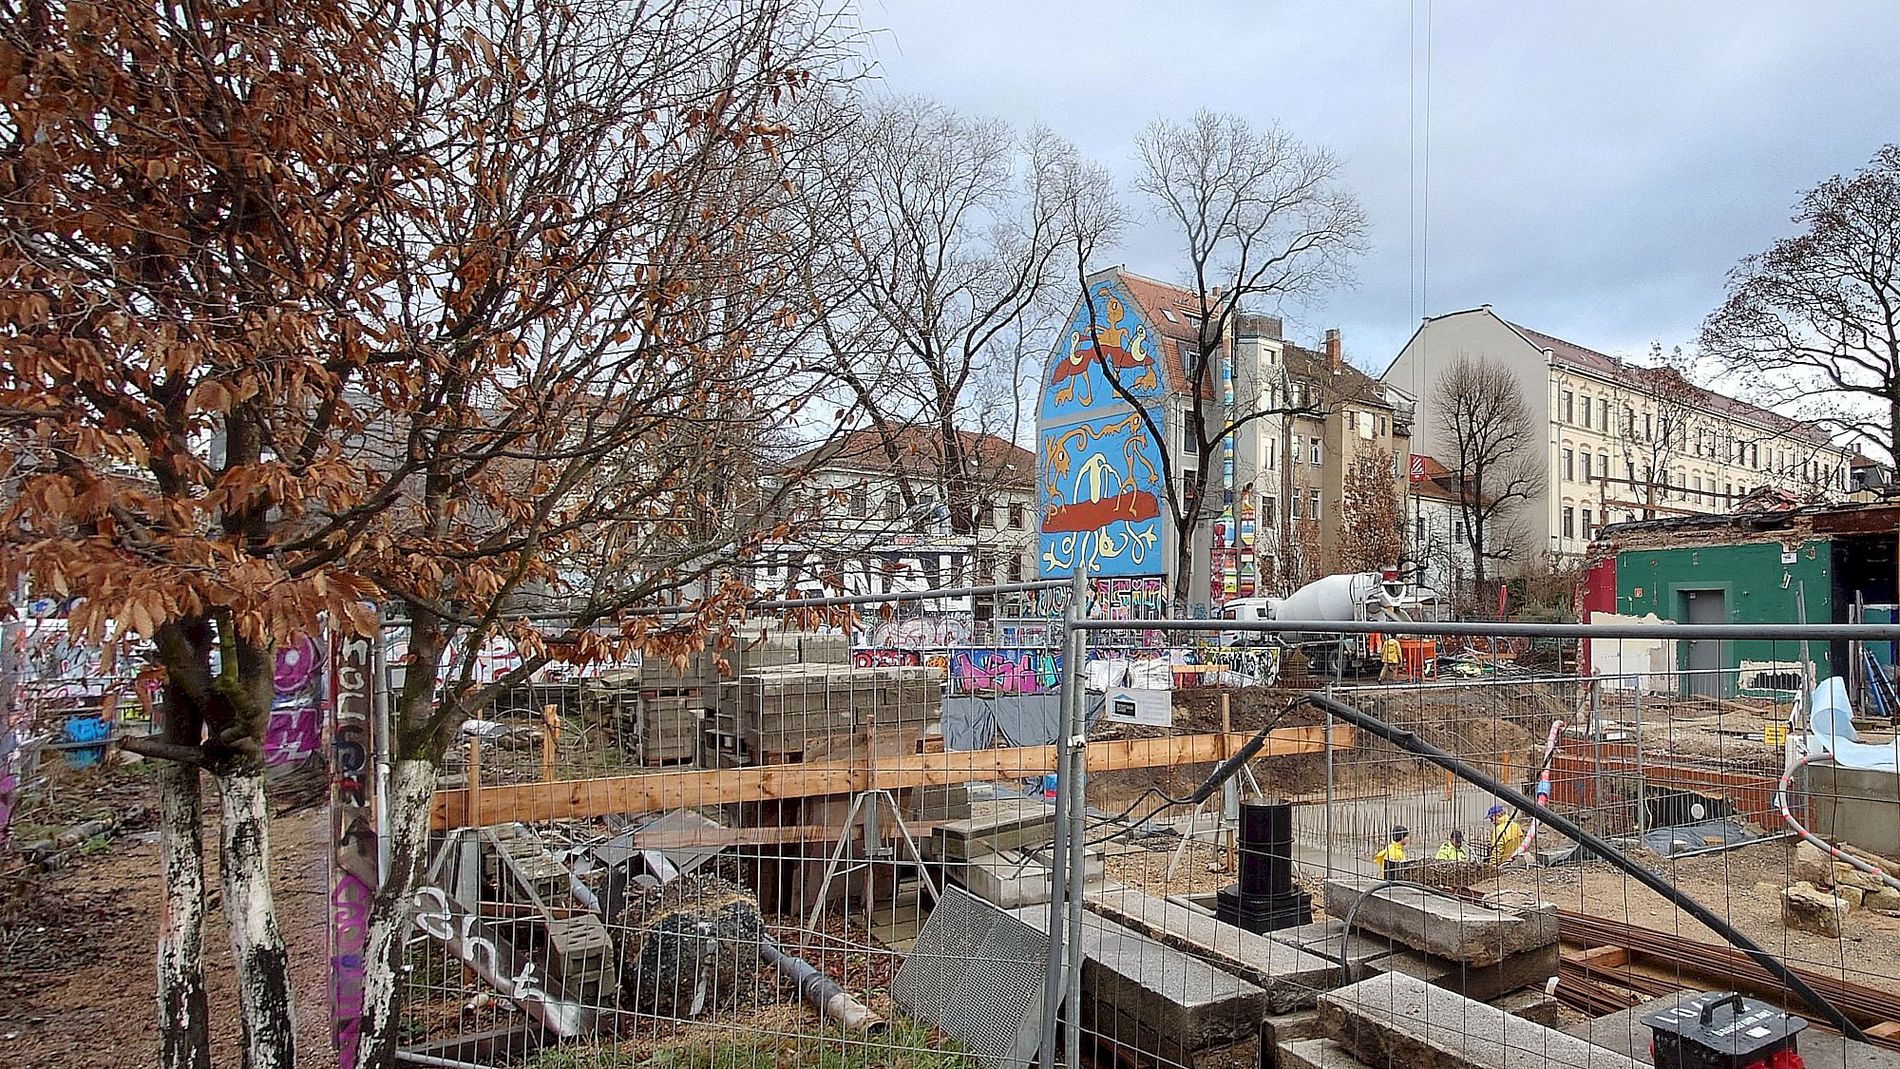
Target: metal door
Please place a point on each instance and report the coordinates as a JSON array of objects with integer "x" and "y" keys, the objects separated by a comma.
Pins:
[{"x": 1703, "y": 658}]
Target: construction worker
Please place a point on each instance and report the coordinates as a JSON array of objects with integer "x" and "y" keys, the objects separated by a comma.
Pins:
[
  {"x": 1506, "y": 834},
  {"x": 1393, "y": 856},
  {"x": 1452, "y": 849},
  {"x": 1389, "y": 660}
]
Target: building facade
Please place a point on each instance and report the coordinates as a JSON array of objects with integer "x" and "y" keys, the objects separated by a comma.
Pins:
[
  {"x": 874, "y": 517},
  {"x": 1105, "y": 450},
  {"x": 1617, "y": 441},
  {"x": 1436, "y": 546}
]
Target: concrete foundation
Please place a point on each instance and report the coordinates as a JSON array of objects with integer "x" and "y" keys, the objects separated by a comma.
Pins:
[
  {"x": 1439, "y": 924},
  {"x": 1857, "y": 806},
  {"x": 1401, "y": 1020},
  {"x": 1144, "y": 996},
  {"x": 1291, "y": 977}
]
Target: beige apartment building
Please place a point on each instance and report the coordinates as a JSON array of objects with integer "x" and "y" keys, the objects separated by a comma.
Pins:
[{"x": 1620, "y": 441}]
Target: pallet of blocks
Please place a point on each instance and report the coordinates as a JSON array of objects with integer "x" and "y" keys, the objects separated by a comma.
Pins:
[
  {"x": 663, "y": 721},
  {"x": 752, "y": 650}
]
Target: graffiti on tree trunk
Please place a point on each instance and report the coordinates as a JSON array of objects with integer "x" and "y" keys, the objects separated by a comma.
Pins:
[{"x": 353, "y": 839}]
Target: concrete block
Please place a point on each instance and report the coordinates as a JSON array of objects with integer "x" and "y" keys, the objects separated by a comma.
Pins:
[
  {"x": 1314, "y": 1054},
  {"x": 1152, "y": 999},
  {"x": 1291, "y": 977},
  {"x": 1526, "y": 969},
  {"x": 1010, "y": 882},
  {"x": 1284, "y": 1028},
  {"x": 1440, "y": 924},
  {"x": 1625, "y": 1033},
  {"x": 1009, "y": 825},
  {"x": 1396, "y": 1019},
  {"x": 1886, "y": 900}
]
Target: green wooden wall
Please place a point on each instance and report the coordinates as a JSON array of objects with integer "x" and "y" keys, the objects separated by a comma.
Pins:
[{"x": 1757, "y": 587}]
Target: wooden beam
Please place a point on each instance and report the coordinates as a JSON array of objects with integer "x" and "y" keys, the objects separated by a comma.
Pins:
[{"x": 654, "y": 791}]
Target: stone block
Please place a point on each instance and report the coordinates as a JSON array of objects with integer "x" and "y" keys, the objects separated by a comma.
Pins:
[
  {"x": 1887, "y": 900},
  {"x": 1314, "y": 1054},
  {"x": 1156, "y": 1001},
  {"x": 1291, "y": 977},
  {"x": 1327, "y": 939},
  {"x": 1010, "y": 882},
  {"x": 1396, "y": 1019},
  {"x": 1532, "y": 1005},
  {"x": 1811, "y": 865},
  {"x": 1440, "y": 924},
  {"x": 1811, "y": 910},
  {"x": 1284, "y": 1028},
  {"x": 1525, "y": 969},
  {"x": 1010, "y": 825}
]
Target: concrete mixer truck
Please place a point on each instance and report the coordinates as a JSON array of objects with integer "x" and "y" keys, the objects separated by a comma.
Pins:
[{"x": 1351, "y": 596}]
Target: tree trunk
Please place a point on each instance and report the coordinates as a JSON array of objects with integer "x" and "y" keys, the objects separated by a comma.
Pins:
[
  {"x": 411, "y": 789},
  {"x": 257, "y": 944},
  {"x": 183, "y": 1038}
]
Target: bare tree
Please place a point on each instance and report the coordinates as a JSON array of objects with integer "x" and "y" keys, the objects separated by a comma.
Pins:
[
  {"x": 1818, "y": 314},
  {"x": 1495, "y": 446},
  {"x": 1657, "y": 410},
  {"x": 950, "y": 232},
  {"x": 1262, "y": 218}
]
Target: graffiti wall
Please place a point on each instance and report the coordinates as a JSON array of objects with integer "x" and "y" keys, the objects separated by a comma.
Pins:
[
  {"x": 1098, "y": 469},
  {"x": 1000, "y": 671},
  {"x": 936, "y": 629},
  {"x": 295, "y": 728}
]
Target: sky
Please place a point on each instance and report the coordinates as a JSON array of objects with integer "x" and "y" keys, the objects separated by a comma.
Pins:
[{"x": 1590, "y": 169}]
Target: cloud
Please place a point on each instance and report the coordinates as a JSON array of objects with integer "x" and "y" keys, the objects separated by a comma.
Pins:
[{"x": 1594, "y": 168}]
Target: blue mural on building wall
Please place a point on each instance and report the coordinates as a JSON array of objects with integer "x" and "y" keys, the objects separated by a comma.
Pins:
[{"x": 1098, "y": 469}]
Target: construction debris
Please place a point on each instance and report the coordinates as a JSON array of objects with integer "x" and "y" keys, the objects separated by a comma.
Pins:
[
  {"x": 1805, "y": 907},
  {"x": 691, "y": 945},
  {"x": 1441, "y": 925}
]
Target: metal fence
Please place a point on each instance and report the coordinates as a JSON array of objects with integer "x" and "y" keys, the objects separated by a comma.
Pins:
[{"x": 1142, "y": 845}]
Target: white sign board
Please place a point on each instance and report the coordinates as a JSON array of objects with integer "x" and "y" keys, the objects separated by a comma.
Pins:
[{"x": 1139, "y": 705}]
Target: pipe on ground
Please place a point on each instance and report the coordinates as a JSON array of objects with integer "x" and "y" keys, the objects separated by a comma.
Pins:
[
  {"x": 1787, "y": 817},
  {"x": 819, "y": 992}
]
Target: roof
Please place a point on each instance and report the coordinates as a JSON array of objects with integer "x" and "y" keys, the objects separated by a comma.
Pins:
[
  {"x": 1878, "y": 516},
  {"x": 1339, "y": 381},
  {"x": 1573, "y": 355},
  {"x": 1171, "y": 311},
  {"x": 919, "y": 453}
]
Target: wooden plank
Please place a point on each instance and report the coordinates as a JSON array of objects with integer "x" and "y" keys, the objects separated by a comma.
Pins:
[
  {"x": 1603, "y": 957},
  {"x": 575, "y": 799},
  {"x": 770, "y": 835}
]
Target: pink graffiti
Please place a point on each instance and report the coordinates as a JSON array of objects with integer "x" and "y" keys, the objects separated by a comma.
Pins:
[
  {"x": 1000, "y": 672},
  {"x": 291, "y": 734},
  {"x": 884, "y": 658}
]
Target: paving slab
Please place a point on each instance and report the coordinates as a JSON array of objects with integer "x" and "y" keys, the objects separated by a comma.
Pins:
[
  {"x": 1625, "y": 1032},
  {"x": 1291, "y": 977},
  {"x": 1008, "y": 824},
  {"x": 1012, "y": 882},
  {"x": 1527, "y": 969},
  {"x": 1533, "y": 1005},
  {"x": 1148, "y": 997},
  {"x": 1440, "y": 924},
  {"x": 1395, "y": 1019}
]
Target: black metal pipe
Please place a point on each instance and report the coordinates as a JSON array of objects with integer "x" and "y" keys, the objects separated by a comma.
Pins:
[
  {"x": 1410, "y": 741},
  {"x": 819, "y": 991}
]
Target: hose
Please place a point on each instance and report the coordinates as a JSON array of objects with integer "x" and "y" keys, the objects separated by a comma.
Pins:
[
  {"x": 1345, "y": 941},
  {"x": 1410, "y": 741},
  {"x": 1787, "y": 817},
  {"x": 1222, "y": 772}
]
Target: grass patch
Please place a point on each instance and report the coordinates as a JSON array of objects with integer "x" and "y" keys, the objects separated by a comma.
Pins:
[{"x": 908, "y": 1045}]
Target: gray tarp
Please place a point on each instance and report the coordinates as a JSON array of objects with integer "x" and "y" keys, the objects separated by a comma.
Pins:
[{"x": 979, "y": 722}]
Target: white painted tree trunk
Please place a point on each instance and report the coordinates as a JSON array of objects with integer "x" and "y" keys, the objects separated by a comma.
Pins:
[
  {"x": 411, "y": 790},
  {"x": 257, "y": 944},
  {"x": 183, "y": 1038}
]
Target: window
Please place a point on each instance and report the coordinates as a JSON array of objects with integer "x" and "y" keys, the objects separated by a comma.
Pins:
[
  {"x": 1418, "y": 529},
  {"x": 1696, "y": 487},
  {"x": 1015, "y": 569},
  {"x": 1603, "y": 465},
  {"x": 1629, "y": 471},
  {"x": 987, "y": 512},
  {"x": 1270, "y": 445},
  {"x": 1313, "y": 457},
  {"x": 1270, "y": 510},
  {"x": 1570, "y": 465},
  {"x": 1381, "y": 424},
  {"x": 1570, "y": 522},
  {"x": 1016, "y": 515},
  {"x": 893, "y": 506},
  {"x": 1588, "y": 532},
  {"x": 1458, "y": 529},
  {"x": 1293, "y": 507},
  {"x": 1629, "y": 421},
  {"x": 1728, "y": 492},
  {"x": 1586, "y": 411},
  {"x": 1603, "y": 413},
  {"x": 1570, "y": 403},
  {"x": 1584, "y": 459},
  {"x": 1312, "y": 500},
  {"x": 1649, "y": 426},
  {"x": 860, "y": 501},
  {"x": 1754, "y": 455}
]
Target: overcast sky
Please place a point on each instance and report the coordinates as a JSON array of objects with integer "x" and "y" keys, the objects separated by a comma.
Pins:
[{"x": 1595, "y": 167}]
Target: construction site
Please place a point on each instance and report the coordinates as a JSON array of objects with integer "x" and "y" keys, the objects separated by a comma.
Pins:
[{"x": 1151, "y": 843}]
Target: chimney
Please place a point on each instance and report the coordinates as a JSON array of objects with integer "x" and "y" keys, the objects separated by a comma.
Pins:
[{"x": 1332, "y": 349}]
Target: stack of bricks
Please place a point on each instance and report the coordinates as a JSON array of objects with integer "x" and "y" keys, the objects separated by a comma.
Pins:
[{"x": 673, "y": 698}]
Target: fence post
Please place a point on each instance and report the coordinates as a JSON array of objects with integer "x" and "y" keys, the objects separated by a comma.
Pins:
[
  {"x": 1054, "y": 966},
  {"x": 1076, "y": 730}
]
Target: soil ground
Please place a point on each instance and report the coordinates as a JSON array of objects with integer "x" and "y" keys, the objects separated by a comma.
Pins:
[{"x": 77, "y": 974}]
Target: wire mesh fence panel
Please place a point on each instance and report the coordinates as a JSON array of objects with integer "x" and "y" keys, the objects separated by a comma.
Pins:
[{"x": 1329, "y": 848}]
